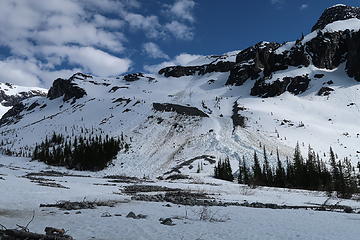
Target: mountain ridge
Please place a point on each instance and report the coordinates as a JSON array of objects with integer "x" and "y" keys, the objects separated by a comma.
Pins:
[{"x": 268, "y": 94}]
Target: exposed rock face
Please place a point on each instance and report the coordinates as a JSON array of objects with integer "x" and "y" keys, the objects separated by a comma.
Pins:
[
  {"x": 328, "y": 49},
  {"x": 66, "y": 88},
  {"x": 13, "y": 115},
  {"x": 325, "y": 91},
  {"x": 250, "y": 62},
  {"x": 81, "y": 76},
  {"x": 183, "y": 110},
  {"x": 353, "y": 56},
  {"x": 11, "y": 100},
  {"x": 180, "y": 71},
  {"x": 136, "y": 76},
  {"x": 295, "y": 85},
  {"x": 133, "y": 77},
  {"x": 319, "y": 75},
  {"x": 336, "y": 13}
]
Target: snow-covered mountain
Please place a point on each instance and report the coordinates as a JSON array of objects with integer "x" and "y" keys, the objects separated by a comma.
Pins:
[
  {"x": 11, "y": 95},
  {"x": 271, "y": 94}
]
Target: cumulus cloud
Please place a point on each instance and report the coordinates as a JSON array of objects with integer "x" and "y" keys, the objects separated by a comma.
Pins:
[
  {"x": 90, "y": 59},
  {"x": 149, "y": 24},
  {"x": 102, "y": 21},
  {"x": 30, "y": 72},
  {"x": 29, "y": 27},
  {"x": 183, "y": 59},
  {"x": 46, "y": 38},
  {"x": 154, "y": 51},
  {"x": 180, "y": 30},
  {"x": 183, "y": 9}
]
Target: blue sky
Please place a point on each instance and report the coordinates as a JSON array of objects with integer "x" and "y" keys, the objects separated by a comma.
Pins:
[{"x": 45, "y": 39}]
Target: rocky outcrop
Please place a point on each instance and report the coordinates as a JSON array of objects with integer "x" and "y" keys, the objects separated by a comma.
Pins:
[
  {"x": 136, "y": 76},
  {"x": 328, "y": 49},
  {"x": 133, "y": 77},
  {"x": 262, "y": 58},
  {"x": 180, "y": 71},
  {"x": 353, "y": 56},
  {"x": 250, "y": 62},
  {"x": 295, "y": 85},
  {"x": 13, "y": 115},
  {"x": 179, "y": 109},
  {"x": 336, "y": 13},
  {"x": 325, "y": 91},
  {"x": 80, "y": 76},
  {"x": 66, "y": 88}
]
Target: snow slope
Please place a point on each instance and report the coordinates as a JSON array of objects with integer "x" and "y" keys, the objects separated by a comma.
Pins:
[
  {"x": 23, "y": 197},
  {"x": 158, "y": 144},
  {"x": 161, "y": 141}
]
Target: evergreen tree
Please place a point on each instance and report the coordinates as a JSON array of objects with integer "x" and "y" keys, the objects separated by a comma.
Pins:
[
  {"x": 241, "y": 173},
  {"x": 280, "y": 177},
  {"x": 246, "y": 172},
  {"x": 258, "y": 175},
  {"x": 223, "y": 170},
  {"x": 83, "y": 154},
  {"x": 267, "y": 172}
]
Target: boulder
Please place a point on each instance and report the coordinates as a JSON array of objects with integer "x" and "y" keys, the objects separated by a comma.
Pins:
[
  {"x": 131, "y": 215},
  {"x": 166, "y": 221}
]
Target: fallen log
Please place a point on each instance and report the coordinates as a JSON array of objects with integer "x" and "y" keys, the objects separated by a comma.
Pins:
[{"x": 13, "y": 234}]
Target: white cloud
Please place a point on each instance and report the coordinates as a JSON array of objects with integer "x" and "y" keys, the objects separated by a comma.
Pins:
[
  {"x": 30, "y": 72},
  {"x": 84, "y": 34},
  {"x": 11, "y": 72},
  {"x": 45, "y": 38},
  {"x": 90, "y": 59},
  {"x": 29, "y": 27},
  {"x": 101, "y": 21},
  {"x": 183, "y": 59},
  {"x": 154, "y": 51},
  {"x": 180, "y": 30},
  {"x": 149, "y": 24},
  {"x": 304, "y": 6},
  {"x": 183, "y": 9}
]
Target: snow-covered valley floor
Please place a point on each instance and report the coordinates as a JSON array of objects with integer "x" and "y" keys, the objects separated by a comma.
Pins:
[{"x": 21, "y": 196}]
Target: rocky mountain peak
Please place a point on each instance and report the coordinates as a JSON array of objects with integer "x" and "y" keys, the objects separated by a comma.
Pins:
[
  {"x": 336, "y": 13},
  {"x": 67, "y": 88}
]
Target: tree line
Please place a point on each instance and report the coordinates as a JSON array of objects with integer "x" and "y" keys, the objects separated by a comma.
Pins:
[
  {"x": 310, "y": 173},
  {"x": 91, "y": 153}
]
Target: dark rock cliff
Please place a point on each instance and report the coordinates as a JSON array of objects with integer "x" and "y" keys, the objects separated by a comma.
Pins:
[{"x": 67, "y": 88}]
